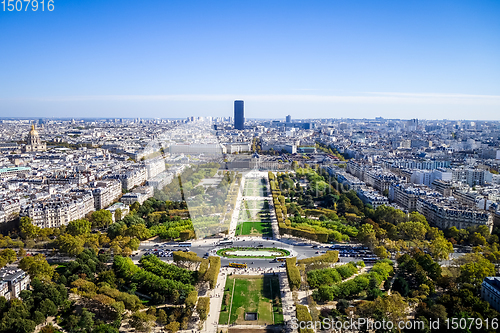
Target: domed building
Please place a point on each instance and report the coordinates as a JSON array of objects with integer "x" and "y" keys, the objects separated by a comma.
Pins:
[{"x": 33, "y": 142}]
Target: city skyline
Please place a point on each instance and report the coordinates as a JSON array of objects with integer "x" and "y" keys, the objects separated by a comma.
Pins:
[{"x": 327, "y": 59}]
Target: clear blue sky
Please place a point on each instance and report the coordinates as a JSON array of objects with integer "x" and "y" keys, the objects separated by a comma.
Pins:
[{"x": 405, "y": 59}]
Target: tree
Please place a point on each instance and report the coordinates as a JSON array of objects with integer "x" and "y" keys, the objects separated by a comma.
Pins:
[
  {"x": 417, "y": 217},
  {"x": 142, "y": 321},
  {"x": 173, "y": 326},
  {"x": 441, "y": 248},
  {"x": 162, "y": 317},
  {"x": 453, "y": 232},
  {"x": 412, "y": 230},
  {"x": 37, "y": 267},
  {"x": 72, "y": 245},
  {"x": 21, "y": 253},
  {"x": 203, "y": 307},
  {"x": 138, "y": 230},
  {"x": 392, "y": 307},
  {"x": 477, "y": 239},
  {"x": 105, "y": 328},
  {"x": 118, "y": 214},
  {"x": 28, "y": 230},
  {"x": 8, "y": 255},
  {"x": 48, "y": 329},
  {"x": 400, "y": 285},
  {"x": 101, "y": 218},
  {"x": 86, "y": 322},
  {"x": 79, "y": 227},
  {"x": 475, "y": 272},
  {"x": 367, "y": 235},
  {"x": 47, "y": 307},
  {"x": 135, "y": 206},
  {"x": 381, "y": 252}
]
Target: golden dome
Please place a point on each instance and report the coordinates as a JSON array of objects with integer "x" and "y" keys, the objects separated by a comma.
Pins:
[{"x": 33, "y": 130}]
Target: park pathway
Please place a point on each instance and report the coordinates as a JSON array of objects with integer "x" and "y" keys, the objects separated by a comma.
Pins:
[
  {"x": 216, "y": 296},
  {"x": 236, "y": 213},
  {"x": 288, "y": 305}
]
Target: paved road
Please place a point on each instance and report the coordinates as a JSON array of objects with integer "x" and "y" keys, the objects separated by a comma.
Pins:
[{"x": 299, "y": 249}]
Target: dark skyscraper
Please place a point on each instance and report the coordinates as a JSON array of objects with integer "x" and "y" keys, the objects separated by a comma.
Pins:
[
  {"x": 288, "y": 119},
  {"x": 239, "y": 115}
]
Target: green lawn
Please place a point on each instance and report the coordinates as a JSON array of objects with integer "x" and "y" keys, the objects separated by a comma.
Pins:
[
  {"x": 259, "y": 294},
  {"x": 282, "y": 252},
  {"x": 254, "y": 187},
  {"x": 254, "y": 229}
]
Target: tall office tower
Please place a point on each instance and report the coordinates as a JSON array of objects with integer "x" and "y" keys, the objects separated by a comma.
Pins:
[
  {"x": 239, "y": 115},
  {"x": 288, "y": 119}
]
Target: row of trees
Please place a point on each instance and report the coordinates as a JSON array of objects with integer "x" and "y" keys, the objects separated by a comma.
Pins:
[
  {"x": 329, "y": 276},
  {"x": 168, "y": 271},
  {"x": 365, "y": 282},
  {"x": 148, "y": 282}
]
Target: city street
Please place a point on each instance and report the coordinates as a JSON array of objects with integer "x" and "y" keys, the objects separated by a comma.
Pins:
[{"x": 299, "y": 249}]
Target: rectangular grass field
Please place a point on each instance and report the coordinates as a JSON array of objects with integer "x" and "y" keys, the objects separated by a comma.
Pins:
[
  {"x": 254, "y": 229},
  {"x": 254, "y": 293}
]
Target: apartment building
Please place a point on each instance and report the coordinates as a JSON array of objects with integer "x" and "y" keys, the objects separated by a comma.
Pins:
[
  {"x": 125, "y": 209},
  {"x": 443, "y": 187},
  {"x": 472, "y": 177},
  {"x": 446, "y": 213},
  {"x": 407, "y": 196},
  {"x": 16, "y": 279},
  {"x": 139, "y": 195},
  {"x": 4, "y": 290},
  {"x": 154, "y": 167},
  {"x": 353, "y": 183},
  {"x": 60, "y": 210},
  {"x": 105, "y": 192},
  {"x": 490, "y": 291},
  {"x": 11, "y": 208},
  {"x": 371, "y": 197},
  {"x": 133, "y": 177}
]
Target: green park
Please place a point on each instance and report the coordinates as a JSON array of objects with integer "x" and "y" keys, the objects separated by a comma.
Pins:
[{"x": 251, "y": 300}]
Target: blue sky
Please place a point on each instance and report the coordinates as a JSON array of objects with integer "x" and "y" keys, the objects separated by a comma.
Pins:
[{"x": 310, "y": 59}]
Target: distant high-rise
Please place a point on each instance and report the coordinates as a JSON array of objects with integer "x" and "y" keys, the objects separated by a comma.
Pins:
[
  {"x": 239, "y": 115},
  {"x": 288, "y": 119}
]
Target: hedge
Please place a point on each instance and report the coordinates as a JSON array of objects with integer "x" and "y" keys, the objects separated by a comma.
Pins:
[
  {"x": 191, "y": 299},
  {"x": 180, "y": 256},
  {"x": 213, "y": 271},
  {"x": 303, "y": 315},
  {"x": 203, "y": 307},
  {"x": 202, "y": 269},
  {"x": 329, "y": 256},
  {"x": 293, "y": 273}
]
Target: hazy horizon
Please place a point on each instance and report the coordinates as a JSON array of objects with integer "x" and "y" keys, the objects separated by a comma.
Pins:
[{"x": 323, "y": 59}]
